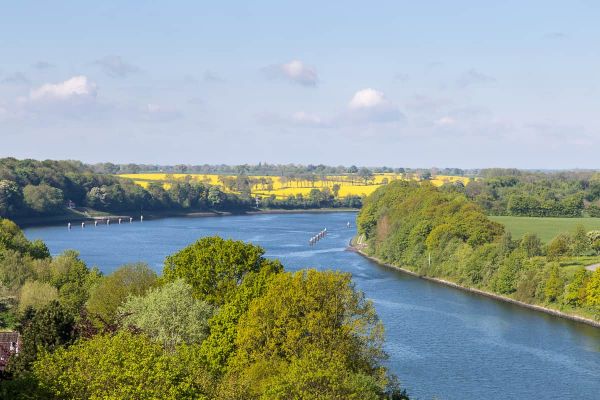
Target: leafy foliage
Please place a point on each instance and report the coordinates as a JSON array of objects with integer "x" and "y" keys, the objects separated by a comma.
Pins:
[
  {"x": 114, "y": 289},
  {"x": 168, "y": 314},
  {"x": 440, "y": 233},
  {"x": 214, "y": 267}
]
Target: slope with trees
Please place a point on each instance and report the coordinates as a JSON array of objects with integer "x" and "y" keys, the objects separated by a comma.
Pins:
[{"x": 442, "y": 234}]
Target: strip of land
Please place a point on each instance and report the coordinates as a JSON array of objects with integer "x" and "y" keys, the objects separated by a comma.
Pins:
[{"x": 360, "y": 250}]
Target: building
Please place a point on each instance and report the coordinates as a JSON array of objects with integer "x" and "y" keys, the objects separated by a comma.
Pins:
[{"x": 9, "y": 345}]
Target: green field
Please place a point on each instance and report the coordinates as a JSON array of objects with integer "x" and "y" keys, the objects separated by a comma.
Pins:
[{"x": 545, "y": 228}]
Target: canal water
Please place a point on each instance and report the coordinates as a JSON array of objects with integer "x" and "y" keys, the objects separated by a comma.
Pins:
[{"x": 443, "y": 343}]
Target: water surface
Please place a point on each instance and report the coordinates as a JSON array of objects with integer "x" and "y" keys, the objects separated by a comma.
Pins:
[{"x": 443, "y": 343}]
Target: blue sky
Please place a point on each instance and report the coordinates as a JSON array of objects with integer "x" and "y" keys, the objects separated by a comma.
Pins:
[{"x": 398, "y": 83}]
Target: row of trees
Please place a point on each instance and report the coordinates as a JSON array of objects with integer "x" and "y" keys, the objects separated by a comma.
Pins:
[
  {"x": 443, "y": 234},
  {"x": 222, "y": 322},
  {"x": 519, "y": 193},
  {"x": 29, "y": 188},
  {"x": 40, "y": 188},
  {"x": 263, "y": 169}
]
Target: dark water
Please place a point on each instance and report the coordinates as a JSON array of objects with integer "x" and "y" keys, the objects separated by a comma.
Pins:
[{"x": 443, "y": 343}]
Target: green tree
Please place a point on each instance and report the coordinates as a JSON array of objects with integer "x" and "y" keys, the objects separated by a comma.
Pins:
[
  {"x": 123, "y": 366},
  {"x": 36, "y": 294},
  {"x": 112, "y": 291},
  {"x": 575, "y": 290},
  {"x": 592, "y": 291},
  {"x": 580, "y": 243},
  {"x": 531, "y": 245},
  {"x": 10, "y": 198},
  {"x": 554, "y": 285},
  {"x": 214, "y": 267},
  {"x": 73, "y": 279},
  {"x": 49, "y": 329},
  {"x": 313, "y": 320},
  {"x": 43, "y": 198},
  {"x": 220, "y": 345},
  {"x": 168, "y": 314},
  {"x": 559, "y": 246}
]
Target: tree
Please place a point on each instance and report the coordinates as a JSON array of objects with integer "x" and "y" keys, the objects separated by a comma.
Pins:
[
  {"x": 214, "y": 267},
  {"x": 43, "y": 198},
  {"x": 592, "y": 291},
  {"x": 581, "y": 244},
  {"x": 73, "y": 279},
  {"x": 220, "y": 345},
  {"x": 316, "y": 325},
  {"x": 554, "y": 285},
  {"x": 531, "y": 245},
  {"x": 112, "y": 291},
  {"x": 168, "y": 315},
  {"x": 49, "y": 329},
  {"x": 10, "y": 198},
  {"x": 336, "y": 189},
  {"x": 123, "y": 366},
  {"x": 36, "y": 294},
  {"x": 366, "y": 174},
  {"x": 575, "y": 290},
  {"x": 559, "y": 246}
]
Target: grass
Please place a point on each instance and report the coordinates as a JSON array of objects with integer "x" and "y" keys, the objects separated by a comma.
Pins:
[
  {"x": 545, "y": 228},
  {"x": 282, "y": 187}
]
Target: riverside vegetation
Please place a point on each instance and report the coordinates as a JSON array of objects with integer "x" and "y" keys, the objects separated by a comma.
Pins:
[
  {"x": 442, "y": 234},
  {"x": 222, "y": 322}
]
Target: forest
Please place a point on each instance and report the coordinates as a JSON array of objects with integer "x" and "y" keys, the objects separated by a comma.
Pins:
[
  {"x": 444, "y": 234},
  {"x": 535, "y": 194},
  {"x": 221, "y": 322},
  {"x": 30, "y": 188}
]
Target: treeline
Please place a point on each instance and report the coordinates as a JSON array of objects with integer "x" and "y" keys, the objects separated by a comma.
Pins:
[
  {"x": 40, "y": 188},
  {"x": 521, "y": 193},
  {"x": 30, "y": 188},
  {"x": 443, "y": 234},
  {"x": 263, "y": 169},
  {"x": 222, "y": 322}
]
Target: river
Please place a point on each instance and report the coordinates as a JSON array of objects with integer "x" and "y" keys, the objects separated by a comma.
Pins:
[{"x": 443, "y": 343}]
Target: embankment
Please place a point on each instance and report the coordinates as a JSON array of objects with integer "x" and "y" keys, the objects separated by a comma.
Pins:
[{"x": 557, "y": 313}]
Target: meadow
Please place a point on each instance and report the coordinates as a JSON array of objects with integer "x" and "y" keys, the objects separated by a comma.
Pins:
[
  {"x": 284, "y": 186},
  {"x": 545, "y": 227}
]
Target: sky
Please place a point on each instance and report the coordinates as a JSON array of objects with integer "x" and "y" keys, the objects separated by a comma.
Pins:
[{"x": 466, "y": 84}]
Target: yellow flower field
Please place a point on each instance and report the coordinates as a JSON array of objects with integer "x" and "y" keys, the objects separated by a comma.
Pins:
[{"x": 283, "y": 187}]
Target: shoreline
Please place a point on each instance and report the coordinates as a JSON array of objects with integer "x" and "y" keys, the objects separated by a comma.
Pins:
[
  {"x": 64, "y": 219},
  {"x": 546, "y": 310}
]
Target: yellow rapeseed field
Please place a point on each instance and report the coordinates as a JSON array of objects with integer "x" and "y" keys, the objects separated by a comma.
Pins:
[{"x": 283, "y": 187}]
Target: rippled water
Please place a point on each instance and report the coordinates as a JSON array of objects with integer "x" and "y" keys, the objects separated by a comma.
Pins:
[{"x": 443, "y": 343}]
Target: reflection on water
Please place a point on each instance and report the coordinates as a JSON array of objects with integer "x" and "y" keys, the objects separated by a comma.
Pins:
[{"x": 442, "y": 342}]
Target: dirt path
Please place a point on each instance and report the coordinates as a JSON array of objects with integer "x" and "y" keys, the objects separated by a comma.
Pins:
[{"x": 592, "y": 267}]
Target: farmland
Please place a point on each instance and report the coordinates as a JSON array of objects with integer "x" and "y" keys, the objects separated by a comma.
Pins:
[
  {"x": 283, "y": 187},
  {"x": 546, "y": 228}
]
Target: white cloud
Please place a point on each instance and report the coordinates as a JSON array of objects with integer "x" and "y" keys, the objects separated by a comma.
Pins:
[
  {"x": 367, "y": 98},
  {"x": 116, "y": 67},
  {"x": 370, "y": 105},
  {"x": 75, "y": 87},
  {"x": 294, "y": 71}
]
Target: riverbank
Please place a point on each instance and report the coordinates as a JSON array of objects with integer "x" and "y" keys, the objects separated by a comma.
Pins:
[
  {"x": 76, "y": 218},
  {"x": 358, "y": 248}
]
